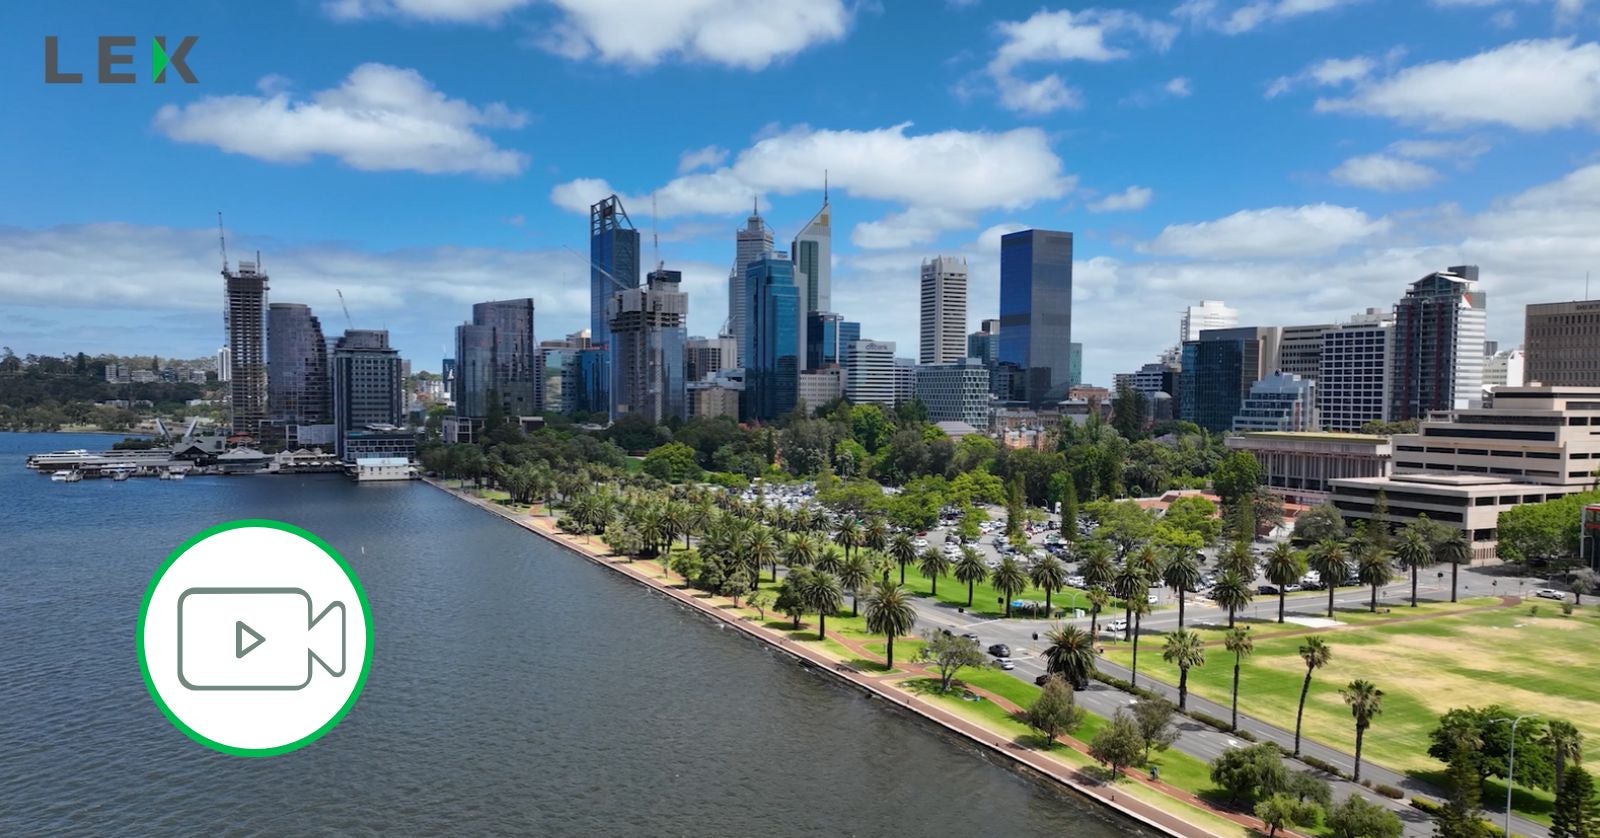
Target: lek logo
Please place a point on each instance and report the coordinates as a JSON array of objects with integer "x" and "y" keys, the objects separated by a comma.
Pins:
[{"x": 116, "y": 50}]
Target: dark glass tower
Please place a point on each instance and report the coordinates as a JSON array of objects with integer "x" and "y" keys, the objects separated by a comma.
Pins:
[
  {"x": 613, "y": 262},
  {"x": 772, "y": 349},
  {"x": 1036, "y": 311},
  {"x": 299, "y": 390},
  {"x": 496, "y": 354}
]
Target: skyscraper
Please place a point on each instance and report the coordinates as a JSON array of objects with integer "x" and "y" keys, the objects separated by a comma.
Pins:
[
  {"x": 367, "y": 393},
  {"x": 1353, "y": 376},
  {"x": 812, "y": 252},
  {"x": 648, "y": 340},
  {"x": 771, "y": 344},
  {"x": 246, "y": 320},
  {"x": 1438, "y": 344},
  {"x": 1218, "y": 370},
  {"x": 1209, "y": 314},
  {"x": 944, "y": 310},
  {"x": 1563, "y": 343},
  {"x": 1036, "y": 311},
  {"x": 984, "y": 344},
  {"x": 823, "y": 347},
  {"x": 752, "y": 243},
  {"x": 613, "y": 260},
  {"x": 709, "y": 356},
  {"x": 299, "y": 389},
  {"x": 497, "y": 361}
]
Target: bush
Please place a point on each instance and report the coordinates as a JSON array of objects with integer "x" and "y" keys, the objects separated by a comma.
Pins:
[
  {"x": 1118, "y": 683},
  {"x": 1389, "y": 791},
  {"x": 1213, "y": 721},
  {"x": 1533, "y": 611},
  {"x": 1323, "y": 765},
  {"x": 1566, "y": 609},
  {"x": 1366, "y": 784},
  {"x": 1245, "y": 735},
  {"x": 1426, "y": 805}
]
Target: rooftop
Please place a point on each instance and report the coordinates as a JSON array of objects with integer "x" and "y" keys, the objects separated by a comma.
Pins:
[{"x": 1327, "y": 436}]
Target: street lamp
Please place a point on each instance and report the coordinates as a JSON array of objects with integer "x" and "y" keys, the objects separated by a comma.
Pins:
[{"x": 1511, "y": 764}]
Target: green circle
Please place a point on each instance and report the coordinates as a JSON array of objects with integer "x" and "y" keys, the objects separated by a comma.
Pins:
[{"x": 366, "y": 616}]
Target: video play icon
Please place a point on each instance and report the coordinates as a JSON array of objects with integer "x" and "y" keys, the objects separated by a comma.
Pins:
[{"x": 300, "y": 641}]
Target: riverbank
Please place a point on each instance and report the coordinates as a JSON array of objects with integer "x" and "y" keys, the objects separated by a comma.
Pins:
[{"x": 1156, "y": 805}]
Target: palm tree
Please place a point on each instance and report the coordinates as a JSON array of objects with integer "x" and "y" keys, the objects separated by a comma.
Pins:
[
  {"x": 1182, "y": 574},
  {"x": 855, "y": 575},
  {"x": 1455, "y": 550},
  {"x": 829, "y": 559},
  {"x": 971, "y": 570},
  {"x": 696, "y": 520},
  {"x": 1010, "y": 580},
  {"x": 1130, "y": 585},
  {"x": 1148, "y": 561},
  {"x": 1372, "y": 568},
  {"x": 761, "y": 549},
  {"x": 799, "y": 550},
  {"x": 1315, "y": 652},
  {"x": 1098, "y": 571},
  {"x": 903, "y": 550},
  {"x": 1332, "y": 564},
  {"x": 1366, "y": 702},
  {"x": 1285, "y": 566},
  {"x": 1098, "y": 600},
  {"x": 933, "y": 564},
  {"x": 890, "y": 614},
  {"x": 1049, "y": 574},
  {"x": 1239, "y": 643},
  {"x": 1070, "y": 653},
  {"x": 1237, "y": 556},
  {"x": 1413, "y": 553},
  {"x": 1232, "y": 592},
  {"x": 1139, "y": 607},
  {"x": 1184, "y": 649},
  {"x": 1565, "y": 743},
  {"x": 822, "y": 594},
  {"x": 849, "y": 534},
  {"x": 876, "y": 535}
]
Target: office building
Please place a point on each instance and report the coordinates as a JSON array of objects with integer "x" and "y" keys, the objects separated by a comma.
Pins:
[
  {"x": 751, "y": 244},
  {"x": 613, "y": 261},
  {"x": 984, "y": 344},
  {"x": 1209, "y": 314},
  {"x": 1036, "y": 311},
  {"x": 1504, "y": 369},
  {"x": 558, "y": 377},
  {"x": 224, "y": 365},
  {"x": 299, "y": 387},
  {"x": 1218, "y": 369},
  {"x": 772, "y": 346},
  {"x": 944, "y": 310},
  {"x": 812, "y": 253},
  {"x": 1280, "y": 402},
  {"x": 1300, "y": 350},
  {"x": 593, "y": 380},
  {"x": 955, "y": 392},
  {"x": 1353, "y": 373},
  {"x": 1562, "y": 343},
  {"x": 820, "y": 386},
  {"x": 870, "y": 373},
  {"x": 1438, "y": 344},
  {"x": 1465, "y": 467},
  {"x": 246, "y": 321},
  {"x": 368, "y": 402},
  {"x": 704, "y": 356},
  {"x": 824, "y": 346},
  {"x": 497, "y": 361},
  {"x": 717, "y": 395},
  {"x": 648, "y": 342},
  {"x": 905, "y": 380},
  {"x": 1297, "y": 467}
]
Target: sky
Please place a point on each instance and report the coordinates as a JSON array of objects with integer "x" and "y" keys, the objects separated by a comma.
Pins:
[{"x": 1302, "y": 160}]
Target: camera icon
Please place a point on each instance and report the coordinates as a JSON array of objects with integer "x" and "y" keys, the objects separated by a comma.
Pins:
[{"x": 256, "y": 639}]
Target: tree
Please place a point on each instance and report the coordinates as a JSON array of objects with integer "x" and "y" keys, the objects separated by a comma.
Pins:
[
  {"x": 1054, "y": 712},
  {"x": 1584, "y": 582},
  {"x": 1252, "y": 772},
  {"x": 1565, "y": 744},
  {"x": 1139, "y": 608},
  {"x": 1239, "y": 642},
  {"x": 971, "y": 570},
  {"x": 822, "y": 594},
  {"x": 1129, "y": 584},
  {"x": 736, "y": 585},
  {"x": 1323, "y": 522},
  {"x": 1070, "y": 654},
  {"x": 849, "y": 534},
  {"x": 1316, "y": 654},
  {"x": 1372, "y": 568},
  {"x": 1236, "y": 477},
  {"x": 1232, "y": 592},
  {"x": 1009, "y": 580},
  {"x": 1366, "y": 702},
  {"x": 1576, "y": 814},
  {"x": 1154, "y": 718},
  {"x": 890, "y": 614},
  {"x": 933, "y": 564},
  {"x": 1069, "y": 508},
  {"x": 950, "y": 653},
  {"x": 1118, "y": 744},
  {"x": 1332, "y": 564},
  {"x": 1285, "y": 566},
  {"x": 1542, "y": 533},
  {"x": 1050, "y": 575},
  {"x": 1413, "y": 552},
  {"x": 1099, "y": 598},
  {"x": 791, "y": 601},
  {"x": 855, "y": 575},
  {"x": 759, "y": 600},
  {"x": 1356, "y": 817},
  {"x": 1488, "y": 731},
  {"x": 1184, "y": 650},
  {"x": 903, "y": 550},
  {"x": 1181, "y": 574},
  {"x": 1454, "y": 549},
  {"x": 1280, "y": 811},
  {"x": 673, "y": 462},
  {"x": 1462, "y": 815}
]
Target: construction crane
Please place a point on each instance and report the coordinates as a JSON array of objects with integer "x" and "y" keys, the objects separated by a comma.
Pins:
[
  {"x": 222, "y": 241},
  {"x": 347, "y": 321},
  {"x": 655, "y": 240}
]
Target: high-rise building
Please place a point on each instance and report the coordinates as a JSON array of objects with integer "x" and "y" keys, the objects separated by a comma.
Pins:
[
  {"x": 246, "y": 321},
  {"x": 824, "y": 343},
  {"x": 497, "y": 361},
  {"x": 812, "y": 252},
  {"x": 648, "y": 341},
  {"x": 299, "y": 387},
  {"x": 1209, "y": 314},
  {"x": 224, "y": 365},
  {"x": 1563, "y": 343},
  {"x": 1353, "y": 375},
  {"x": 368, "y": 400},
  {"x": 1504, "y": 369},
  {"x": 1218, "y": 369},
  {"x": 558, "y": 376},
  {"x": 944, "y": 310},
  {"x": 447, "y": 372},
  {"x": 613, "y": 261},
  {"x": 1036, "y": 311},
  {"x": 1438, "y": 344},
  {"x": 820, "y": 386},
  {"x": 1300, "y": 350},
  {"x": 751, "y": 244},
  {"x": 708, "y": 356},
  {"x": 984, "y": 344},
  {"x": 772, "y": 348},
  {"x": 593, "y": 379},
  {"x": 955, "y": 392},
  {"x": 870, "y": 373},
  {"x": 1280, "y": 402},
  {"x": 905, "y": 380}
]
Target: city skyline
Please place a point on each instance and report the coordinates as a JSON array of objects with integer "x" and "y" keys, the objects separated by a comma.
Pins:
[{"x": 993, "y": 140}]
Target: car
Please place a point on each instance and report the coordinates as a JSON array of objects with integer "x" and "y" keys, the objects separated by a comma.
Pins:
[
  {"x": 1039, "y": 681},
  {"x": 1075, "y": 582},
  {"x": 1118, "y": 624},
  {"x": 1152, "y": 599},
  {"x": 970, "y": 636},
  {"x": 1268, "y": 590},
  {"x": 946, "y": 632},
  {"x": 1007, "y": 664},
  {"x": 1549, "y": 593},
  {"x": 1000, "y": 650},
  {"x": 1292, "y": 587}
]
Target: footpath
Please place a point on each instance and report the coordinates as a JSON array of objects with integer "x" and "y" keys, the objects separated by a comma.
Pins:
[{"x": 886, "y": 687}]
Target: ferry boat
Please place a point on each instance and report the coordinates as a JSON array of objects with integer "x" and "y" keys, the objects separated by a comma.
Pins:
[
  {"x": 57, "y": 458},
  {"x": 72, "y": 476}
]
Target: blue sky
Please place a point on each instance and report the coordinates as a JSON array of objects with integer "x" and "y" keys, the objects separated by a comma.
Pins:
[{"x": 1300, "y": 159}]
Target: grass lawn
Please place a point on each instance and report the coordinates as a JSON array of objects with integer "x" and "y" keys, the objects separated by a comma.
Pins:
[
  {"x": 985, "y": 599},
  {"x": 1544, "y": 664}
]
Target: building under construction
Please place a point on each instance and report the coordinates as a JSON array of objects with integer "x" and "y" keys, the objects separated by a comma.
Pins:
[
  {"x": 648, "y": 338},
  {"x": 245, "y": 319}
]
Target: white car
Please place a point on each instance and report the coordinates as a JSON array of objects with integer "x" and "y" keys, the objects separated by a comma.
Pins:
[
  {"x": 1117, "y": 625},
  {"x": 1152, "y": 599},
  {"x": 920, "y": 543},
  {"x": 1549, "y": 593},
  {"x": 1007, "y": 664}
]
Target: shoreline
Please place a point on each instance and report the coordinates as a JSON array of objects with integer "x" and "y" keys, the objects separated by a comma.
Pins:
[{"x": 1029, "y": 761}]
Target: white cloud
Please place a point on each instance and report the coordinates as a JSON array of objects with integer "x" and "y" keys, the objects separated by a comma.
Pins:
[
  {"x": 1238, "y": 18},
  {"x": 1384, "y": 173},
  {"x": 1527, "y": 85},
  {"x": 578, "y": 195},
  {"x": 1330, "y": 72},
  {"x": 380, "y": 118},
  {"x": 738, "y": 33},
  {"x": 1180, "y": 87},
  {"x": 1459, "y": 151},
  {"x": 1565, "y": 11},
  {"x": 702, "y": 158},
  {"x": 1094, "y": 35},
  {"x": 915, "y": 226},
  {"x": 1132, "y": 198},
  {"x": 1276, "y": 232},
  {"x": 432, "y": 11}
]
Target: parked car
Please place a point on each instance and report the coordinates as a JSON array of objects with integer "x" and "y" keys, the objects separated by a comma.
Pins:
[
  {"x": 1549, "y": 593},
  {"x": 1152, "y": 599},
  {"x": 1000, "y": 650},
  {"x": 1117, "y": 625},
  {"x": 1292, "y": 587},
  {"x": 1007, "y": 664},
  {"x": 1267, "y": 590},
  {"x": 970, "y": 636}
]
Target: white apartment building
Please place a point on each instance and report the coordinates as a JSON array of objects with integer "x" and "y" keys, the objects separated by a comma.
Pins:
[
  {"x": 1209, "y": 314},
  {"x": 1353, "y": 381}
]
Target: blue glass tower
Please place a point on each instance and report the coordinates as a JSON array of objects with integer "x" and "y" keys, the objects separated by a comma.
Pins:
[
  {"x": 613, "y": 262},
  {"x": 772, "y": 349},
  {"x": 1036, "y": 311}
]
